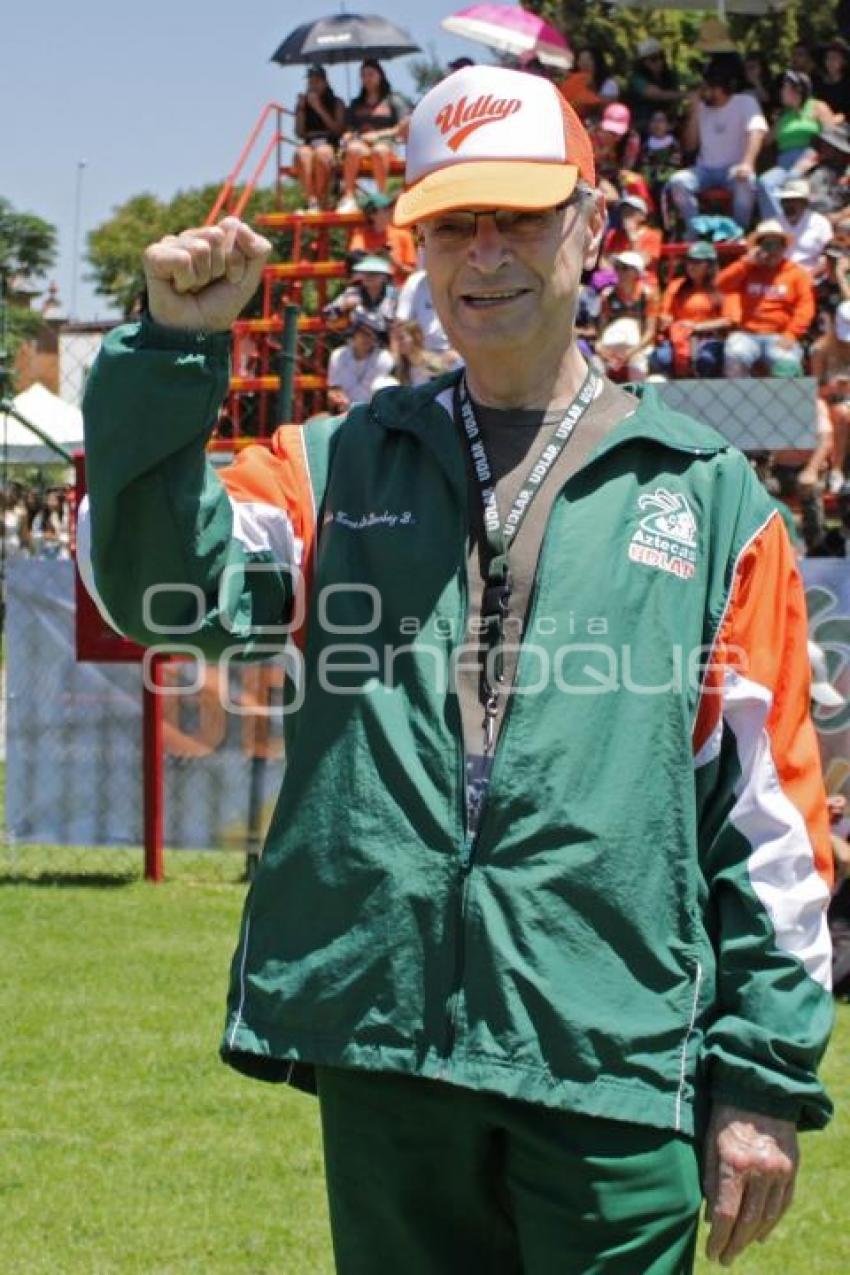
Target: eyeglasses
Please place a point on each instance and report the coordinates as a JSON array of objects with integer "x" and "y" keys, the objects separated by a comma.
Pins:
[
  {"x": 457, "y": 229},
  {"x": 771, "y": 245}
]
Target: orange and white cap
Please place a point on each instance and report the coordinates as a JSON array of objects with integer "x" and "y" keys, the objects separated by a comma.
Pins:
[{"x": 488, "y": 137}]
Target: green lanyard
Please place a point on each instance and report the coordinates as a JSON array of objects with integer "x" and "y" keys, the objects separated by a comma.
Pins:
[{"x": 496, "y": 599}]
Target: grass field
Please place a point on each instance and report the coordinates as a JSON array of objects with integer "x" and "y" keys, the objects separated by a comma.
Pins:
[{"x": 125, "y": 1145}]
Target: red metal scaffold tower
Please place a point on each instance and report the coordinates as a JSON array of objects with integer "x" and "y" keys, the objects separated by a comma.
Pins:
[{"x": 315, "y": 257}]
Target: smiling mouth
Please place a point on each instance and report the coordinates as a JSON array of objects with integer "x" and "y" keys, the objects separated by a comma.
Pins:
[{"x": 488, "y": 300}]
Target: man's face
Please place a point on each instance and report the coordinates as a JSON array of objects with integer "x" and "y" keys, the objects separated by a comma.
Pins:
[
  {"x": 770, "y": 250},
  {"x": 508, "y": 281},
  {"x": 794, "y": 209},
  {"x": 713, "y": 95},
  {"x": 835, "y": 63},
  {"x": 801, "y": 58},
  {"x": 363, "y": 342},
  {"x": 381, "y": 218}
]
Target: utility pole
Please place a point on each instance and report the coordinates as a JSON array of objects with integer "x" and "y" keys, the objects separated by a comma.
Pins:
[{"x": 75, "y": 256}]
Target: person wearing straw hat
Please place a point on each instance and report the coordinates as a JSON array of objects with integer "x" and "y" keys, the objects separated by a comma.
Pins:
[
  {"x": 825, "y": 168},
  {"x": 540, "y": 917},
  {"x": 810, "y": 232},
  {"x": 773, "y": 305}
]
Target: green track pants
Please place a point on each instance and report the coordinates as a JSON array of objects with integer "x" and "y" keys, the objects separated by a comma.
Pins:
[{"x": 429, "y": 1179}]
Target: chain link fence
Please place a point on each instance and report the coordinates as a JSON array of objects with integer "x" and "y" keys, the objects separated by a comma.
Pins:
[
  {"x": 72, "y": 742},
  {"x": 78, "y": 347}
]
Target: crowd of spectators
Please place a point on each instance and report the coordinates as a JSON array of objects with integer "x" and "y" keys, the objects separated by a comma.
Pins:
[
  {"x": 728, "y": 252},
  {"x": 36, "y": 522}
]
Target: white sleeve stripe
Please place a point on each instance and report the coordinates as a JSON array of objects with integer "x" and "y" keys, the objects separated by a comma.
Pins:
[
  {"x": 310, "y": 484},
  {"x": 781, "y": 862},
  {"x": 263, "y": 528},
  {"x": 84, "y": 561},
  {"x": 718, "y": 632}
]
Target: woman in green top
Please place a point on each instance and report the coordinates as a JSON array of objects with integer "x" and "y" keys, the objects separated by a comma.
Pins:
[{"x": 801, "y": 118}]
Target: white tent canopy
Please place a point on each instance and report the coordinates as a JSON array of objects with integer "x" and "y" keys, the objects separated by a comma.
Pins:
[{"x": 59, "y": 420}]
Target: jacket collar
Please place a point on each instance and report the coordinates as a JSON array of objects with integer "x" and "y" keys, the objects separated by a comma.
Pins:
[{"x": 417, "y": 411}]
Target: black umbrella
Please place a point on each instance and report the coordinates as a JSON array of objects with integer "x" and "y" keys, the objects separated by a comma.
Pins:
[{"x": 344, "y": 37}]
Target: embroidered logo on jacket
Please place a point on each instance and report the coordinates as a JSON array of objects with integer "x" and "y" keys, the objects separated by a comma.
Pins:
[
  {"x": 462, "y": 118},
  {"x": 667, "y": 537}
]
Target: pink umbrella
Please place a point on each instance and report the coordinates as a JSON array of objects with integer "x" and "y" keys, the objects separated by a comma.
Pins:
[{"x": 511, "y": 30}]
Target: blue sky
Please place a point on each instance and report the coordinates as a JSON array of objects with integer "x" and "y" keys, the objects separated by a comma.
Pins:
[{"x": 154, "y": 97}]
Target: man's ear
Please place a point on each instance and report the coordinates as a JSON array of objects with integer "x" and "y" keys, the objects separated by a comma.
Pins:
[{"x": 595, "y": 226}]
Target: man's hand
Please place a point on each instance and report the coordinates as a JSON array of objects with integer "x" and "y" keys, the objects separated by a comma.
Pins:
[
  {"x": 749, "y": 1171},
  {"x": 203, "y": 277},
  {"x": 741, "y": 172},
  {"x": 338, "y": 400}
]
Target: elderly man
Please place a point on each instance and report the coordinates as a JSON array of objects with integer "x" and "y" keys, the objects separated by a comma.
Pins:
[{"x": 541, "y": 909}]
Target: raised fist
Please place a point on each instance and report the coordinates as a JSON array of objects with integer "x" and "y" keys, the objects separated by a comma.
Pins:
[{"x": 201, "y": 279}]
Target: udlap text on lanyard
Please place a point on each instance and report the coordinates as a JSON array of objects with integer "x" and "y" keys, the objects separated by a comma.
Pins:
[{"x": 496, "y": 599}]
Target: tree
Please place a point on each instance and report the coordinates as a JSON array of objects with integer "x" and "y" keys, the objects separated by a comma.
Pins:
[
  {"x": 115, "y": 248},
  {"x": 426, "y": 71},
  {"x": 27, "y": 250},
  {"x": 616, "y": 31},
  {"x": 27, "y": 243}
]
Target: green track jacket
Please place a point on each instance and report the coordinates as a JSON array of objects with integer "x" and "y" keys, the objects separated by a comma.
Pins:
[{"x": 639, "y": 923}]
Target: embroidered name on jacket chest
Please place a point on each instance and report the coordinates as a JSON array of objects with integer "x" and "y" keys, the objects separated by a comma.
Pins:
[{"x": 392, "y": 519}]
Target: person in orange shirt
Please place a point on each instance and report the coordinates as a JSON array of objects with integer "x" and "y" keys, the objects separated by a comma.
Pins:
[
  {"x": 634, "y": 235},
  {"x": 379, "y": 237},
  {"x": 694, "y": 314},
  {"x": 772, "y": 306}
]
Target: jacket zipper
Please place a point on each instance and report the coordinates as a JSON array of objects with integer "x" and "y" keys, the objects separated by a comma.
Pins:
[
  {"x": 472, "y": 842},
  {"x": 469, "y": 841},
  {"x": 465, "y": 863}
]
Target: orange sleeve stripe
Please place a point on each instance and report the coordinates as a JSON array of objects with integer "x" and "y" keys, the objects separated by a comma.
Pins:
[
  {"x": 764, "y": 635},
  {"x": 278, "y": 475},
  {"x": 287, "y": 446}
]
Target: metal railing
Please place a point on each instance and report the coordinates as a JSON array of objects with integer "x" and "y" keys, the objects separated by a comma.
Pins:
[{"x": 226, "y": 203}]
